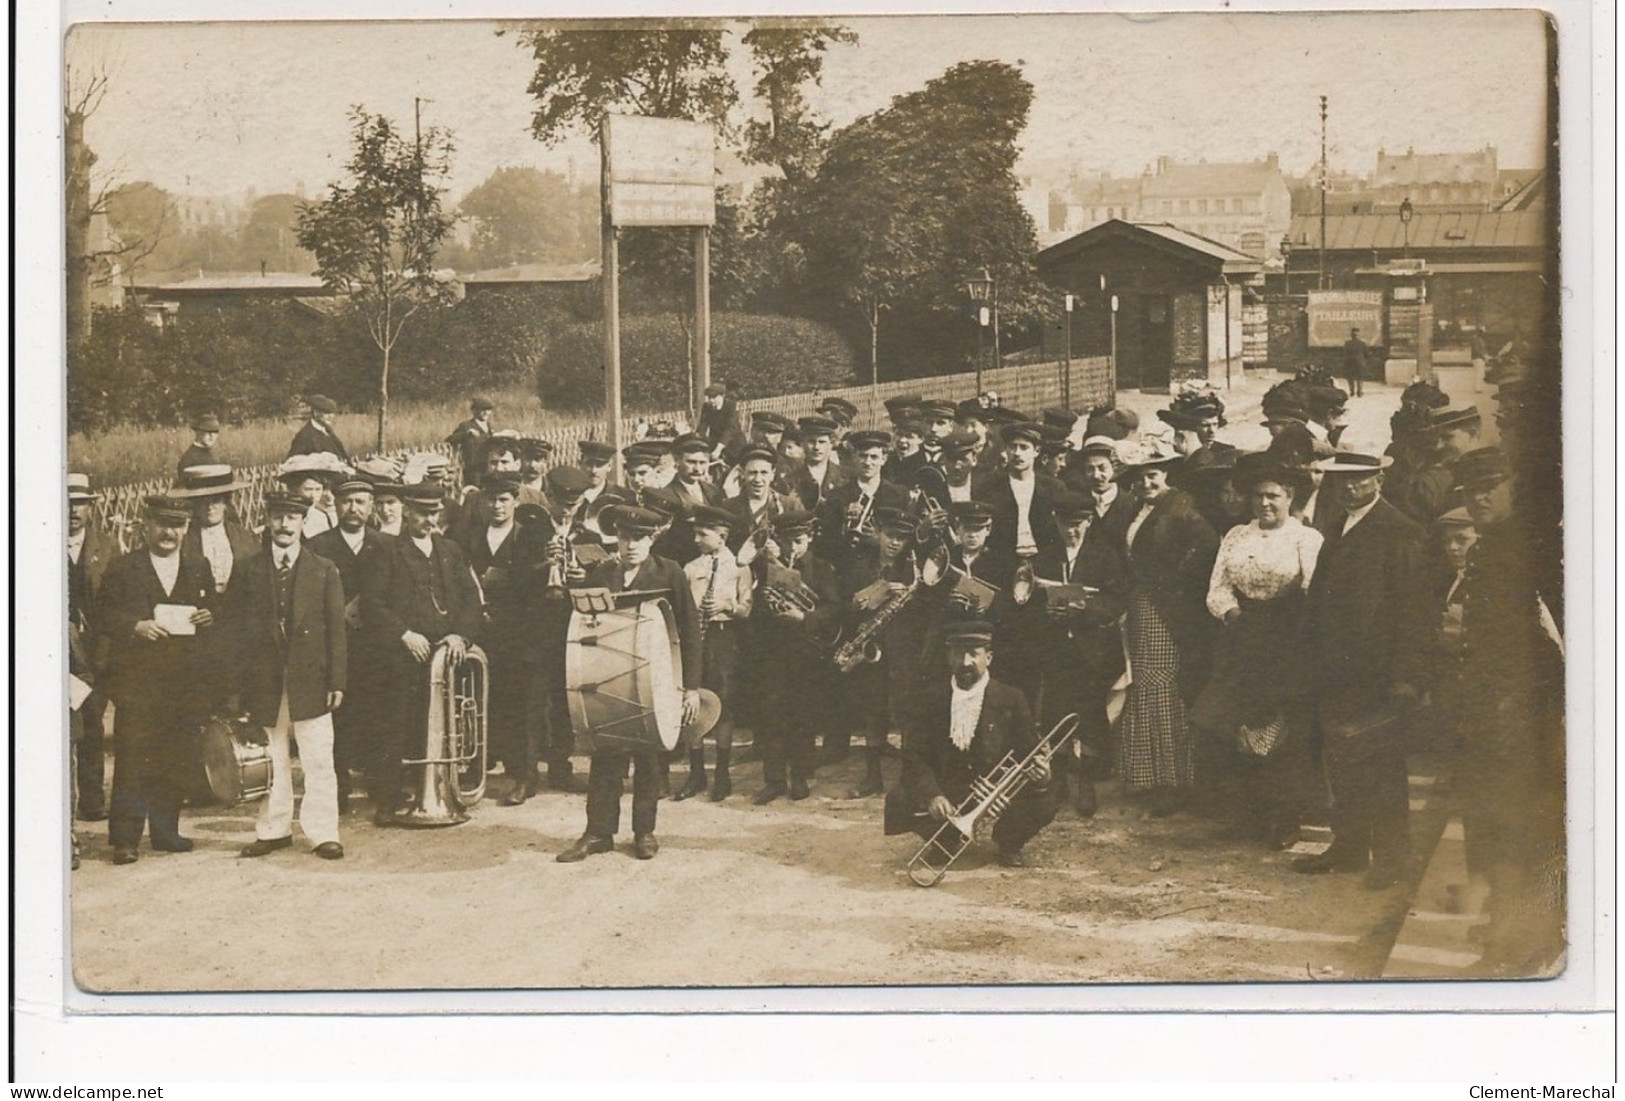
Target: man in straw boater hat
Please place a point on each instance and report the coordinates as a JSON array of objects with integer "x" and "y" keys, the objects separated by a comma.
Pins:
[
  {"x": 1369, "y": 635},
  {"x": 293, "y": 650},
  {"x": 354, "y": 547},
  {"x": 155, "y": 607},
  {"x": 316, "y": 435},
  {"x": 1513, "y": 756},
  {"x": 200, "y": 452},
  {"x": 635, "y": 569},
  {"x": 91, "y": 550},
  {"x": 956, "y": 728},
  {"x": 421, "y": 595}
]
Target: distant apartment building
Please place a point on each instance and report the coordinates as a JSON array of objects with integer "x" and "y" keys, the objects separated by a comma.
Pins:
[
  {"x": 1433, "y": 182},
  {"x": 1244, "y": 205}
]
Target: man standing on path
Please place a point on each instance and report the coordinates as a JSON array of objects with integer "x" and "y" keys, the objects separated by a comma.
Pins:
[{"x": 1354, "y": 355}]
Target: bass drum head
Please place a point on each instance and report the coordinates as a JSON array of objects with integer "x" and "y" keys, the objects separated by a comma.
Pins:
[
  {"x": 217, "y": 751},
  {"x": 657, "y": 639}
]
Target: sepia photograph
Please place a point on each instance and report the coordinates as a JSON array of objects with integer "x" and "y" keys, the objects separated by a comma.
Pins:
[{"x": 865, "y": 501}]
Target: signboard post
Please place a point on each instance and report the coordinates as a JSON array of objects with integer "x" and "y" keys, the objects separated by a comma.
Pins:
[{"x": 656, "y": 172}]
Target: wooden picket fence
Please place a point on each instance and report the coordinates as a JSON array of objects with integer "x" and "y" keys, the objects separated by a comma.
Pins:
[{"x": 1030, "y": 388}]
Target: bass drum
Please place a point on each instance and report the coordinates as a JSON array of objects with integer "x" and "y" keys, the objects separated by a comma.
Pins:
[
  {"x": 235, "y": 770},
  {"x": 623, "y": 679}
]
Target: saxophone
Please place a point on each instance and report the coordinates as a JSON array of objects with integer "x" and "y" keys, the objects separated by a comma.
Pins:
[{"x": 861, "y": 648}]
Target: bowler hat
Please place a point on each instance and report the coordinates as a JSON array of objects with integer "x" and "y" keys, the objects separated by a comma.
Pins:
[
  {"x": 1114, "y": 424},
  {"x": 1060, "y": 418}
]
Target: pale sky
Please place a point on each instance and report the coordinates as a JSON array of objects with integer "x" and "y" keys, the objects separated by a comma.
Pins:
[{"x": 219, "y": 108}]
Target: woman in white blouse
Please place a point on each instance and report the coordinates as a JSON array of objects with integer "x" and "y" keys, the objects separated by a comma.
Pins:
[{"x": 1256, "y": 702}]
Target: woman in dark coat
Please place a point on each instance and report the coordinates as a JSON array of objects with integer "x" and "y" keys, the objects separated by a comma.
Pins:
[
  {"x": 1170, "y": 552},
  {"x": 1254, "y": 712}
]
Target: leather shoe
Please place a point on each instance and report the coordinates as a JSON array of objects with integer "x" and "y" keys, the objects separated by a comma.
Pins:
[
  {"x": 695, "y": 786},
  {"x": 1012, "y": 858},
  {"x": 264, "y": 845},
  {"x": 330, "y": 850},
  {"x": 517, "y": 797},
  {"x": 383, "y": 817},
  {"x": 799, "y": 790},
  {"x": 176, "y": 844},
  {"x": 1332, "y": 860},
  {"x": 585, "y": 847},
  {"x": 92, "y": 814},
  {"x": 644, "y": 846},
  {"x": 1380, "y": 879},
  {"x": 768, "y": 794},
  {"x": 125, "y": 856},
  {"x": 721, "y": 790}
]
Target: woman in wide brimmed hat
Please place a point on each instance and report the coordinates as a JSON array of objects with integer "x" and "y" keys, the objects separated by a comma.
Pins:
[
  {"x": 1170, "y": 553},
  {"x": 1196, "y": 417},
  {"x": 1256, "y": 702}
]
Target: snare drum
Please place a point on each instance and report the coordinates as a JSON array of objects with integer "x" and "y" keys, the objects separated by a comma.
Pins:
[
  {"x": 235, "y": 769},
  {"x": 622, "y": 675}
]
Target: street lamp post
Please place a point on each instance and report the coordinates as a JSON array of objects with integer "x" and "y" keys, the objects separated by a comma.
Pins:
[
  {"x": 981, "y": 290},
  {"x": 1406, "y": 213}
]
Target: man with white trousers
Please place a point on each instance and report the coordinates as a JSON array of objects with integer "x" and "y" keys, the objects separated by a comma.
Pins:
[{"x": 291, "y": 669}]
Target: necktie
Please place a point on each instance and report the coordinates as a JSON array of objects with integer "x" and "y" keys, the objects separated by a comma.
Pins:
[{"x": 284, "y": 593}]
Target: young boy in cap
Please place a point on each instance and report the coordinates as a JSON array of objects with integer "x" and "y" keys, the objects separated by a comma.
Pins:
[
  {"x": 721, "y": 588},
  {"x": 200, "y": 452},
  {"x": 155, "y": 607},
  {"x": 956, "y": 728},
  {"x": 421, "y": 596},
  {"x": 635, "y": 568},
  {"x": 292, "y": 663},
  {"x": 316, "y": 435}
]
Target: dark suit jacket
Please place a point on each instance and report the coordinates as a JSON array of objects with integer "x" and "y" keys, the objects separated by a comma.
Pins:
[
  {"x": 994, "y": 489},
  {"x": 98, "y": 551},
  {"x": 312, "y": 660},
  {"x": 739, "y": 507},
  {"x": 932, "y": 766},
  {"x": 660, "y": 573},
  {"x": 511, "y": 578},
  {"x": 832, "y": 542},
  {"x": 1089, "y": 637},
  {"x": 194, "y": 455},
  {"x": 811, "y": 492},
  {"x": 469, "y": 438},
  {"x": 1368, "y": 612},
  {"x": 396, "y": 595},
  {"x": 311, "y": 440},
  {"x": 330, "y": 545},
  {"x": 138, "y": 671}
]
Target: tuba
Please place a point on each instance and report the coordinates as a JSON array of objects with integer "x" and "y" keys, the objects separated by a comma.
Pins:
[
  {"x": 989, "y": 797},
  {"x": 453, "y": 765}
]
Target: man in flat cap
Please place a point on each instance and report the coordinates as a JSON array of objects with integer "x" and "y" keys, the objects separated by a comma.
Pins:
[
  {"x": 718, "y": 421},
  {"x": 470, "y": 436},
  {"x": 200, "y": 452},
  {"x": 818, "y": 472},
  {"x": 1512, "y": 760},
  {"x": 937, "y": 417},
  {"x": 1022, "y": 498},
  {"x": 355, "y": 548},
  {"x": 846, "y": 512},
  {"x": 534, "y": 455},
  {"x": 156, "y": 605},
  {"x": 956, "y": 729},
  {"x": 292, "y": 657},
  {"x": 635, "y": 568},
  {"x": 758, "y": 502},
  {"x": 421, "y": 596},
  {"x": 316, "y": 434}
]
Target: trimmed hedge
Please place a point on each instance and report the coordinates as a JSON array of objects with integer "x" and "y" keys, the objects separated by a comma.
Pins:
[{"x": 758, "y": 355}]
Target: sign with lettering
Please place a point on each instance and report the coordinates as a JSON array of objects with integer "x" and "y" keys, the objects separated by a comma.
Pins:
[
  {"x": 1333, "y": 313},
  {"x": 660, "y": 172}
]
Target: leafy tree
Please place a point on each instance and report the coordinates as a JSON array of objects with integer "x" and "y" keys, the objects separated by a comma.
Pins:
[
  {"x": 785, "y": 59},
  {"x": 910, "y": 200},
  {"x": 525, "y": 215},
  {"x": 582, "y": 75},
  {"x": 271, "y": 237},
  {"x": 375, "y": 236}
]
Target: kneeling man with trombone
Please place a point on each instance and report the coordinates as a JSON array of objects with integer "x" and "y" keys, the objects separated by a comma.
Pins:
[{"x": 971, "y": 756}]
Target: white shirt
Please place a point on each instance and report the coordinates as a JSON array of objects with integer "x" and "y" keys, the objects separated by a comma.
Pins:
[
  {"x": 391, "y": 528},
  {"x": 818, "y": 472},
  {"x": 1104, "y": 499},
  {"x": 495, "y": 535},
  {"x": 316, "y": 521},
  {"x": 355, "y": 541},
  {"x": 1023, "y": 491},
  {"x": 281, "y": 556},
  {"x": 965, "y": 711},
  {"x": 76, "y": 544},
  {"x": 1257, "y": 563},
  {"x": 730, "y": 599},
  {"x": 960, "y": 493},
  {"x": 426, "y": 545},
  {"x": 168, "y": 570},
  {"x": 1356, "y": 515},
  {"x": 217, "y": 549},
  {"x": 1139, "y": 518}
]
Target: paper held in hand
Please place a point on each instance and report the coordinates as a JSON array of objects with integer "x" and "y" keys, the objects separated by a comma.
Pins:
[{"x": 175, "y": 618}]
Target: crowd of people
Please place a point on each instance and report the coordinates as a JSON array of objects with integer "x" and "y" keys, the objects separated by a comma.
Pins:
[{"x": 1259, "y": 635}]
